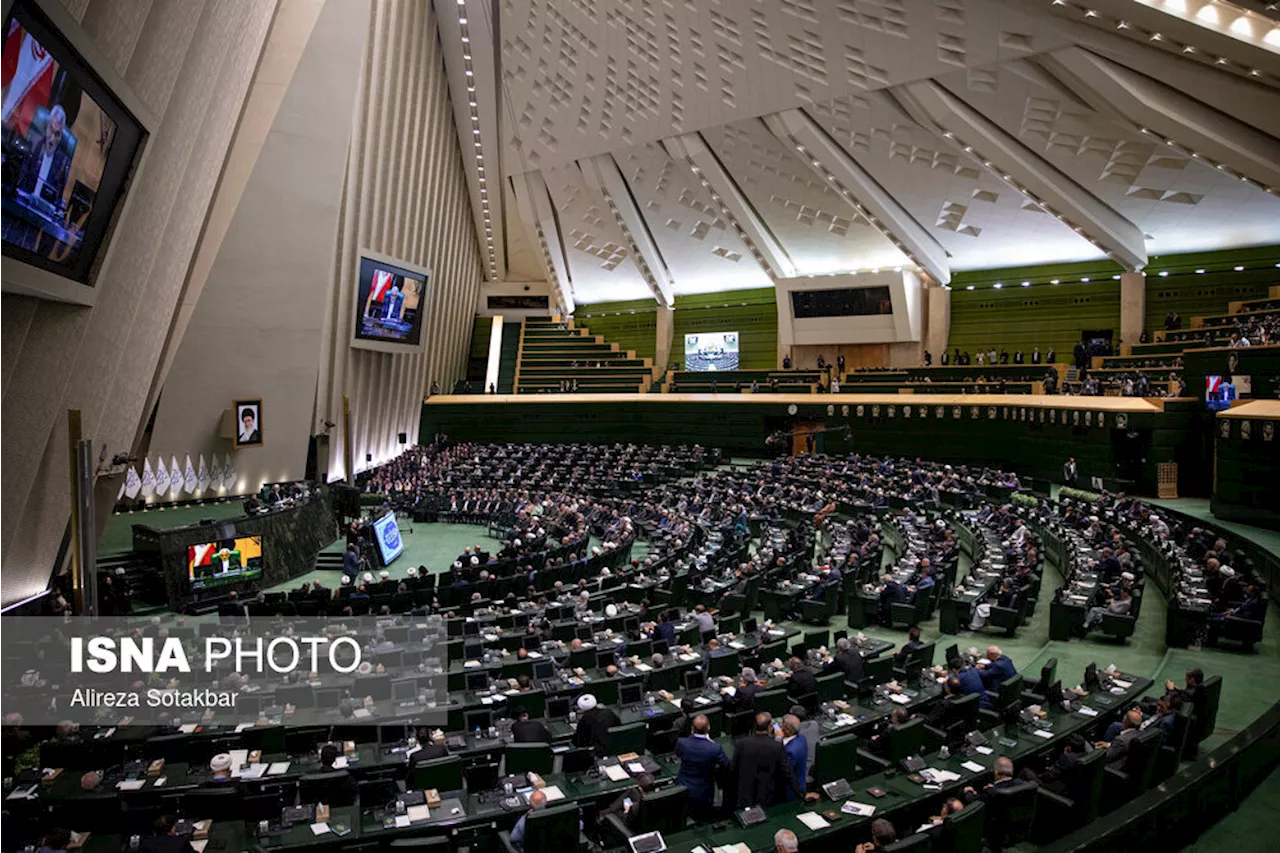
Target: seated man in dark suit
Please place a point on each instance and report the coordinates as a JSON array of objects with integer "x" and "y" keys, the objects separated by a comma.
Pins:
[
  {"x": 433, "y": 747},
  {"x": 628, "y": 804},
  {"x": 701, "y": 759},
  {"x": 1189, "y": 693},
  {"x": 47, "y": 164},
  {"x": 801, "y": 682},
  {"x": 1060, "y": 777},
  {"x": 666, "y": 629},
  {"x": 892, "y": 593},
  {"x": 1118, "y": 748},
  {"x": 848, "y": 661},
  {"x": 970, "y": 681},
  {"x": 940, "y": 713},
  {"x": 744, "y": 694},
  {"x": 164, "y": 840},
  {"x": 525, "y": 730},
  {"x": 1003, "y": 779}
]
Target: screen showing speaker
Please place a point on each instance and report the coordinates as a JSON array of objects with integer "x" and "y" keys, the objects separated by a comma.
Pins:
[
  {"x": 68, "y": 147},
  {"x": 387, "y": 535},
  {"x": 389, "y": 304},
  {"x": 226, "y": 561},
  {"x": 711, "y": 351},
  {"x": 1219, "y": 391}
]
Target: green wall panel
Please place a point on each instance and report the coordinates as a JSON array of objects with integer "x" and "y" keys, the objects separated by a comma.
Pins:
[
  {"x": 478, "y": 357},
  {"x": 1048, "y": 316},
  {"x": 631, "y": 325},
  {"x": 753, "y": 314}
]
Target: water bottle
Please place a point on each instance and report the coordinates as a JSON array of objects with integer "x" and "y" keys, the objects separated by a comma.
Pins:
[
  {"x": 944, "y": 753},
  {"x": 400, "y": 807},
  {"x": 264, "y": 827},
  {"x": 478, "y": 733},
  {"x": 135, "y": 841}
]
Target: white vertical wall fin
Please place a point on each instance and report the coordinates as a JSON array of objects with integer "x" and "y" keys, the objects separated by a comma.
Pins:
[{"x": 406, "y": 197}]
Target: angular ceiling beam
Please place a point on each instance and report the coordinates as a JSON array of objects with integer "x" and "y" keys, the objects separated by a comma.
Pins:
[
  {"x": 1026, "y": 171},
  {"x": 1166, "y": 115},
  {"x": 538, "y": 215},
  {"x": 693, "y": 150},
  {"x": 602, "y": 174},
  {"x": 829, "y": 160},
  {"x": 470, "y": 60}
]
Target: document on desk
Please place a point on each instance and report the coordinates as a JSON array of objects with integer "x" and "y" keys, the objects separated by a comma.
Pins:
[
  {"x": 189, "y": 728},
  {"x": 701, "y": 700},
  {"x": 319, "y": 828},
  {"x": 635, "y": 767},
  {"x": 983, "y": 750},
  {"x": 278, "y": 768},
  {"x": 1087, "y": 711},
  {"x": 973, "y": 767},
  {"x": 813, "y": 820},
  {"x": 616, "y": 773},
  {"x": 402, "y": 820},
  {"x": 644, "y": 667},
  {"x": 1044, "y": 733},
  {"x": 253, "y": 771},
  {"x": 340, "y": 763},
  {"x": 199, "y": 846},
  {"x": 417, "y": 814},
  {"x": 552, "y": 793},
  {"x": 130, "y": 784},
  {"x": 739, "y": 847},
  {"x": 860, "y": 809}
]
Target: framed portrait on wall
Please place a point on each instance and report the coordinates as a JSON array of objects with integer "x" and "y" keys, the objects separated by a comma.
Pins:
[{"x": 248, "y": 423}]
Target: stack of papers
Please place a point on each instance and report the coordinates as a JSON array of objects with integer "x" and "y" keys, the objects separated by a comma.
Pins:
[
  {"x": 553, "y": 792},
  {"x": 973, "y": 767},
  {"x": 278, "y": 768},
  {"x": 813, "y": 820},
  {"x": 417, "y": 814},
  {"x": 616, "y": 773},
  {"x": 938, "y": 777}
]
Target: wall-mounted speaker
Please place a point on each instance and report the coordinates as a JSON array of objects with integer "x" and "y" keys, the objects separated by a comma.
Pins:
[
  {"x": 404, "y": 437},
  {"x": 368, "y": 457}
]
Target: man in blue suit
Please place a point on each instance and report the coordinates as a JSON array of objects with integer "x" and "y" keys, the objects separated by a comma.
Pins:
[
  {"x": 999, "y": 669},
  {"x": 970, "y": 681},
  {"x": 701, "y": 759},
  {"x": 665, "y": 629},
  {"x": 797, "y": 749}
]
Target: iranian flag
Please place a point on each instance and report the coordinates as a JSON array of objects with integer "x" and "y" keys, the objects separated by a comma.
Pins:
[
  {"x": 189, "y": 480},
  {"x": 148, "y": 479},
  {"x": 175, "y": 477},
  {"x": 27, "y": 77},
  {"x": 380, "y": 285},
  {"x": 132, "y": 483},
  {"x": 229, "y": 472},
  {"x": 162, "y": 478}
]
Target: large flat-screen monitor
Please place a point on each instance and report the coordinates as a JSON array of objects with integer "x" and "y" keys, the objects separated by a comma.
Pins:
[
  {"x": 711, "y": 351},
  {"x": 387, "y": 534},
  {"x": 1219, "y": 391},
  {"x": 69, "y": 145},
  {"x": 391, "y": 297},
  {"x": 228, "y": 561}
]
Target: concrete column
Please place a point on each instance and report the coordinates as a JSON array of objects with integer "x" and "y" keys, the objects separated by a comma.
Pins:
[
  {"x": 938, "y": 321},
  {"x": 665, "y": 327},
  {"x": 1133, "y": 306}
]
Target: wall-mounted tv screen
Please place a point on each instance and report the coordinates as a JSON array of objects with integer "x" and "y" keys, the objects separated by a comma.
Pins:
[
  {"x": 1219, "y": 391},
  {"x": 711, "y": 351},
  {"x": 390, "y": 300},
  {"x": 68, "y": 145},
  {"x": 224, "y": 562},
  {"x": 387, "y": 533},
  {"x": 842, "y": 302}
]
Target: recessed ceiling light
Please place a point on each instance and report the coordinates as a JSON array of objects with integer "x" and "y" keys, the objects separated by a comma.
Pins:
[
  {"x": 1239, "y": 269},
  {"x": 1026, "y": 284},
  {"x": 997, "y": 285},
  {"x": 1199, "y": 272},
  {"x": 970, "y": 287},
  {"x": 1164, "y": 273},
  {"x": 1053, "y": 281},
  {"x": 1085, "y": 279}
]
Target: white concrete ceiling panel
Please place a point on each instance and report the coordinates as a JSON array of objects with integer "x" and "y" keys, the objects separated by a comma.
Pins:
[
  {"x": 581, "y": 77},
  {"x": 701, "y": 249},
  {"x": 1162, "y": 189},
  {"x": 597, "y": 251},
  {"x": 981, "y": 221},
  {"x": 820, "y": 229}
]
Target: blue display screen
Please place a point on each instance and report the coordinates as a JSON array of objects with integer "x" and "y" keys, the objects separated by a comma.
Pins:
[{"x": 390, "y": 545}]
